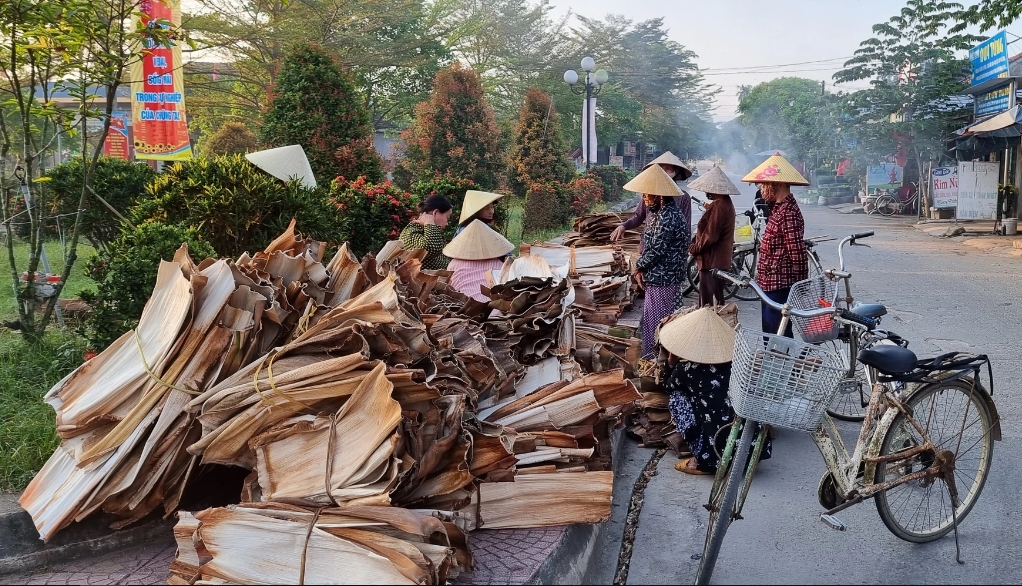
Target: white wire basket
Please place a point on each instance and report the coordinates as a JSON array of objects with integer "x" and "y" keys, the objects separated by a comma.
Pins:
[
  {"x": 814, "y": 293},
  {"x": 781, "y": 381}
]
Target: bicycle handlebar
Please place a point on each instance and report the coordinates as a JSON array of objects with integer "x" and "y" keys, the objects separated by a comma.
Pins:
[
  {"x": 782, "y": 307},
  {"x": 849, "y": 239}
]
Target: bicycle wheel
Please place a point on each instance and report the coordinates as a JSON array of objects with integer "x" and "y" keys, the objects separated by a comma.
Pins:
[
  {"x": 724, "y": 500},
  {"x": 745, "y": 266},
  {"x": 850, "y": 402},
  {"x": 691, "y": 276},
  {"x": 958, "y": 422},
  {"x": 886, "y": 206}
]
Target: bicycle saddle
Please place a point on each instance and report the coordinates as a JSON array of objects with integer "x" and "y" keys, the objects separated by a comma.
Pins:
[
  {"x": 889, "y": 359},
  {"x": 869, "y": 309}
]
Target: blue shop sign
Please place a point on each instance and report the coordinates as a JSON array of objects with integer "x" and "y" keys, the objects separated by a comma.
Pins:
[{"x": 990, "y": 59}]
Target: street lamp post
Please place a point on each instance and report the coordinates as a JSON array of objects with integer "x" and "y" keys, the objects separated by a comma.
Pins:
[{"x": 594, "y": 80}]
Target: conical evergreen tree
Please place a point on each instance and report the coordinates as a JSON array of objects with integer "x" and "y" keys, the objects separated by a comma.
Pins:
[
  {"x": 537, "y": 153},
  {"x": 315, "y": 104},
  {"x": 455, "y": 132}
]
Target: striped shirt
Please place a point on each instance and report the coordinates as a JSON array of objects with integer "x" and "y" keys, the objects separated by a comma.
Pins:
[{"x": 469, "y": 275}]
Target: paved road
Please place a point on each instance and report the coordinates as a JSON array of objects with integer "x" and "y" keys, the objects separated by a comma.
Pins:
[{"x": 942, "y": 296}]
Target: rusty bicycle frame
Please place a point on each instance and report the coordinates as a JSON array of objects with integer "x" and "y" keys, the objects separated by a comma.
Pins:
[{"x": 852, "y": 473}]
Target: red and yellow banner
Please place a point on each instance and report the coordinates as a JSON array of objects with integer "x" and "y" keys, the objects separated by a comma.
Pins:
[
  {"x": 157, "y": 90},
  {"x": 116, "y": 144}
]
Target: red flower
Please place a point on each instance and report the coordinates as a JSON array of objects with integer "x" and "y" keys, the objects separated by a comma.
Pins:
[{"x": 89, "y": 355}]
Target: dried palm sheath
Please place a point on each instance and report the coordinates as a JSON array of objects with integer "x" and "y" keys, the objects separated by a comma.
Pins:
[
  {"x": 277, "y": 543},
  {"x": 582, "y": 261},
  {"x": 545, "y": 500},
  {"x": 602, "y": 300},
  {"x": 595, "y": 229},
  {"x": 354, "y": 383},
  {"x": 600, "y": 348}
]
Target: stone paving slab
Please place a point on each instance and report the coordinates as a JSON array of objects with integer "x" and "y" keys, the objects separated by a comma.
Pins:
[
  {"x": 147, "y": 563},
  {"x": 504, "y": 556}
]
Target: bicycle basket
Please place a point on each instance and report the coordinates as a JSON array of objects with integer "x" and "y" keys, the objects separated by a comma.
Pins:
[
  {"x": 781, "y": 381},
  {"x": 814, "y": 293}
]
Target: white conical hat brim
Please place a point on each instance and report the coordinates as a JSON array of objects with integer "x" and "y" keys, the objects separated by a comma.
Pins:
[
  {"x": 478, "y": 242},
  {"x": 714, "y": 181},
  {"x": 285, "y": 163},
  {"x": 475, "y": 201},
  {"x": 701, "y": 336},
  {"x": 668, "y": 158},
  {"x": 654, "y": 181}
]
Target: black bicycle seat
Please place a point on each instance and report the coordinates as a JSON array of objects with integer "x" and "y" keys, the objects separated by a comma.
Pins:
[
  {"x": 889, "y": 359},
  {"x": 869, "y": 309}
]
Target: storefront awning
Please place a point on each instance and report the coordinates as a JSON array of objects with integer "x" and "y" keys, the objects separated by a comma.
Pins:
[{"x": 999, "y": 122}]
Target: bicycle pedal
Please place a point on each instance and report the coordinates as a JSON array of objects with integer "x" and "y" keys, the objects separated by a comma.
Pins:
[{"x": 833, "y": 522}]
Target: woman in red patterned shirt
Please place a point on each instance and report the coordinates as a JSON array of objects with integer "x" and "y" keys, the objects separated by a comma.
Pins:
[{"x": 783, "y": 258}]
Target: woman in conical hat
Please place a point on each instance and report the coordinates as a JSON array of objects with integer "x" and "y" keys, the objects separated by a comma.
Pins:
[
  {"x": 698, "y": 372},
  {"x": 713, "y": 247},
  {"x": 679, "y": 172},
  {"x": 783, "y": 257},
  {"x": 478, "y": 205},
  {"x": 660, "y": 268},
  {"x": 475, "y": 252}
]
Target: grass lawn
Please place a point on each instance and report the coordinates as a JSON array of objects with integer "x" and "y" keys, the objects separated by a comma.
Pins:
[
  {"x": 74, "y": 286},
  {"x": 27, "y": 435}
]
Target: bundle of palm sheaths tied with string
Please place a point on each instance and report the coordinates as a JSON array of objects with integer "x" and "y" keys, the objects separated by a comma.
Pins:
[{"x": 376, "y": 415}]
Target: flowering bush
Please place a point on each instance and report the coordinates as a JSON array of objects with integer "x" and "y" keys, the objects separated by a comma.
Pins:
[
  {"x": 611, "y": 178},
  {"x": 370, "y": 214},
  {"x": 585, "y": 193}
]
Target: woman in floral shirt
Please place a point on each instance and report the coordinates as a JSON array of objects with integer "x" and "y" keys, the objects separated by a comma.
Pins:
[
  {"x": 427, "y": 232},
  {"x": 661, "y": 266}
]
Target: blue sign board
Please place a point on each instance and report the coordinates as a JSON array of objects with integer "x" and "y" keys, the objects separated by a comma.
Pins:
[
  {"x": 990, "y": 59},
  {"x": 993, "y": 102}
]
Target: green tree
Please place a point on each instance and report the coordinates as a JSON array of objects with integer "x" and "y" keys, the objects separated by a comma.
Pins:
[
  {"x": 121, "y": 184},
  {"x": 315, "y": 104},
  {"x": 232, "y": 138},
  {"x": 987, "y": 14},
  {"x": 791, "y": 113},
  {"x": 85, "y": 48},
  {"x": 233, "y": 205},
  {"x": 913, "y": 65},
  {"x": 392, "y": 47},
  {"x": 455, "y": 132},
  {"x": 537, "y": 153}
]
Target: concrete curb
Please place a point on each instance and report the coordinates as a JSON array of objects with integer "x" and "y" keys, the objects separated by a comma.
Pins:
[
  {"x": 569, "y": 561},
  {"x": 21, "y": 549},
  {"x": 1006, "y": 246}
]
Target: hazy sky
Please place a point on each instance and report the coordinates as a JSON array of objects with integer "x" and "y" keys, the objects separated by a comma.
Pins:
[{"x": 752, "y": 41}]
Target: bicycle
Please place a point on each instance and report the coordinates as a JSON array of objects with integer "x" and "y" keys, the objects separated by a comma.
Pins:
[
  {"x": 898, "y": 459},
  {"x": 889, "y": 204}
]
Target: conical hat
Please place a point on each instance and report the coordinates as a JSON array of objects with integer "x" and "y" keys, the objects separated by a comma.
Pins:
[
  {"x": 478, "y": 242},
  {"x": 776, "y": 169},
  {"x": 475, "y": 201},
  {"x": 668, "y": 158},
  {"x": 701, "y": 336},
  {"x": 654, "y": 181},
  {"x": 715, "y": 181},
  {"x": 285, "y": 163}
]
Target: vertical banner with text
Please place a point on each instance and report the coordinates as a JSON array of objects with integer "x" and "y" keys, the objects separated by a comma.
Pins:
[
  {"x": 157, "y": 90},
  {"x": 116, "y": 144}
]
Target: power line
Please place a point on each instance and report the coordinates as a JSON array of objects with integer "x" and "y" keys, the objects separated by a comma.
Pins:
[{"x": 778, "y": 65}]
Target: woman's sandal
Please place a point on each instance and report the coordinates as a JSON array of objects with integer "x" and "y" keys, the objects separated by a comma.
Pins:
[{"x": 688, "y": 466}]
